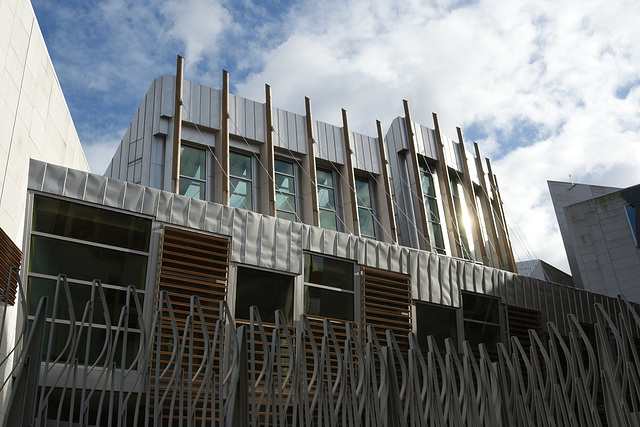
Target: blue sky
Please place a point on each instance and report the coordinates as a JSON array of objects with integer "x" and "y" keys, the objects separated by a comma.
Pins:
[{"x": 548, "y": 89}]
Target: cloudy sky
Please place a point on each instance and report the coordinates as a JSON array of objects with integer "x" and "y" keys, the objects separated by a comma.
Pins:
[{"x": 548, "y": 89}]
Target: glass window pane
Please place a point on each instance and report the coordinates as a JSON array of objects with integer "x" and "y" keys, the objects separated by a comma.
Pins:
[
  {"x": 367, "y": 225},
  {"x": 328, "y": 220},
  {"x": 427, "y": 184},
  {"x": 477, "y": 333},
  {"x": 84, "y": 262},
  {"x": 192, "y": 162},
  {"x": 480, "y": 307},
  {"x": 285, "y": 183},
  {"x": 240, "y": 194},
  {"x": 191, "y": 188},
  {"x": 286, "y": 215},
  {"x": 436, "y": 235},
  {"x": 266, "y": 290},
  {"x": 285, "y": 202},
  {"x": 284, "y": 167},
  {"x": 363, "y": 193},
  {"x": 239, "y": 165},
  {"x": 324, "y": 178},
  {"x": 328, "y": 303},
  {"x": 328, "y": 271},
  {"x": 84, "y": 222},
  {"x": 326, "y": 199},
  {"x": 441, "y": 322},
  {"x": 432, "y": 208}
]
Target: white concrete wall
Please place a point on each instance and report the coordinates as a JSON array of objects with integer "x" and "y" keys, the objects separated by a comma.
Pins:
[{"x": 34, "y": 117}]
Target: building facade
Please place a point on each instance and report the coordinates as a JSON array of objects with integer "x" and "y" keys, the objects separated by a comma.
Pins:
[{"x": 599, "y": 229}]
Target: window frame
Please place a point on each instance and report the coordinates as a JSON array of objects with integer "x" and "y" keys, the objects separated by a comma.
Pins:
[
  {"x": 501, "y": 324},
  {"x": 426, "y": 171},
  {"x": 182, "y": 176},
  {"x": 294, "y": 177},
  {"x": 336, "y": 210},
  {"x": 370, "y": 209},
  {"x": 249, "y": 181}
]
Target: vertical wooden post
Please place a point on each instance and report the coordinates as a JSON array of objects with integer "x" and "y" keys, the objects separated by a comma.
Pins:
[
  {"x": 445, "y": 189},
  {"x": 351, "y": 190},
  {"x": 415, "y": 165},
  {"x": 500, "y": 213},
  {"x": 311, "y": 209},
  {"x": 391, "y": 223},
  {"x": 479, "y": 241},
  {"x": 487, "y": 204},
  {"x": 222, "y": 149},
  {"x": 177, "y": 128},
  {"x": 268, "y": 181}
]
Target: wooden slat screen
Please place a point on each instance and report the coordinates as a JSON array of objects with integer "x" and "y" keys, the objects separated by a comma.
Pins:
[
  {"x": 387, "y": 304},
  {"x": 10, "y": 256},
  {"x": 191, "y": 263},
  {"x": 520, "y": 320}
]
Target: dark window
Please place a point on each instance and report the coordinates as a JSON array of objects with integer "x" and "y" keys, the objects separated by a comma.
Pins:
[
  {"x": 328, "y": 289},
  {"x": 439, "y": 321},
  {"x": 268, "y": 291},
  {"x": 481, "y": 314}
]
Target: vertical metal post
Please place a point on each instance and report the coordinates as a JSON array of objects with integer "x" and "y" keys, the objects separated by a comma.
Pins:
[{"x": 177, "y": 128}]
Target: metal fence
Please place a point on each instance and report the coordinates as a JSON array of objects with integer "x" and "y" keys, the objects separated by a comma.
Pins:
[{"x": 183, "y": 372}]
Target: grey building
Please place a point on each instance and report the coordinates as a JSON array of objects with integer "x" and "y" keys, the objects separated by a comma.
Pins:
[{"x": 599, "y": 229}]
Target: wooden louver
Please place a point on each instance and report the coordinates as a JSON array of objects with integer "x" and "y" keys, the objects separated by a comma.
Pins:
[
  {"x": 387, "y": 304},
  {"x": 191, "y": 264},
  {"x": 10, "y": 256}
]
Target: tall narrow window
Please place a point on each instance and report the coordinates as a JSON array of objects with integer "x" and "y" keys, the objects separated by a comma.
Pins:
[
  {"x": 433, "y": 215},
  {"x": 463, "y": 243},
  {"x": 240, "y": 181},
  {"x": 327, "y": 200},
  {"x": 285, "y": 180},
  {"x": 328, "y": 289},
  {"x": 365, "y": 208},
  {"x": 631, "y": 216},
  {"x": 193, "y": 172}
]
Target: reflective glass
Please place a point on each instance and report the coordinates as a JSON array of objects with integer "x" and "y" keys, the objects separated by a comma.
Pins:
[
  {"x": 440, "y": 322},
  {"x": 432, "y": 208},
  {"x": 327, "y": 303},
  {"x": 328, "y": 271},
  {"x": 286, "y": 202},
  {"x": 326, "y": 198},
  {"x": 436, "y": 235},
  {"x": 269, "y": 291},
  {"x": 192, "y": 162},
  {"x": 240, "y": 196},
  {"x": 84, "y": 262},
  {"x": 92, "y": 224},
  {"x": 363, "y": 193},
  {"x": 285, "y": 183},
  {"x": 239, "y": 165},
  {"x": 427, "y": 184},
  {"x": 191, "y": 188},
  {"x": 328, "y": 220},
  {"x": 284, "y": 167},
  {"x": 287, "y": 215},
  {"x": 324, "y": 178},
  {"x": 367, "y": 226},
  {"x": 481, "y": 308}
]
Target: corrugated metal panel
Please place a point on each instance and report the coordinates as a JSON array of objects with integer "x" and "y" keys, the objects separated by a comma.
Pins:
[
  {"x": 329, "y": 143},
  {"x": 426, "y": 141},
  {"x": 290, "y": 131},
  {"x": 168, "y": 84},
  {"x": 246, "y": 118},
  {"x": 367, "y": 153}
]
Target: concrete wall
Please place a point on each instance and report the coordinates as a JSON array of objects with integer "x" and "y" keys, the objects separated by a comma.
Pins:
[
  {"x": 606, "y": 254},
  {"x": 34, "y": 119}
]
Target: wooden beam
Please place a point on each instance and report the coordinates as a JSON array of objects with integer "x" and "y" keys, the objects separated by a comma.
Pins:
[
  {"x": 415, "y": 165},
  {"x": 311, "y": 210},
  {"x": 445, "y": 189},
  {"x": 351, "y": 189},
  {"x": 177, "y": 127},
  {"x": 222, "y": 149},
  {"x": 391, "y": 223},
  {"x": 487, "y": 205},
  {"x": 479, "y": 241},
  {"x": 500, "y": 212},
  {"x": 268, "y": 157}
]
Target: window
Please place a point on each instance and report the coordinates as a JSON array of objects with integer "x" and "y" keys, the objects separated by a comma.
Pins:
[
  {"x": 328, "y": 289},
  {"x": 193, "y": 172},
  {"x": 463, "y": 242},
  {"x": 365, "y": 208},
  {"x": 269, "y": 291},
  {"x": 481, "y": 314},
  {"x": 327, "y": 200},
  {"x": 433, "y": 215},
  {"x": 240, "y": 181},
  {"x": 436, "y": 320},
  {"x": 285, "y": 182},
  {"x": 86, "y": 243}
]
